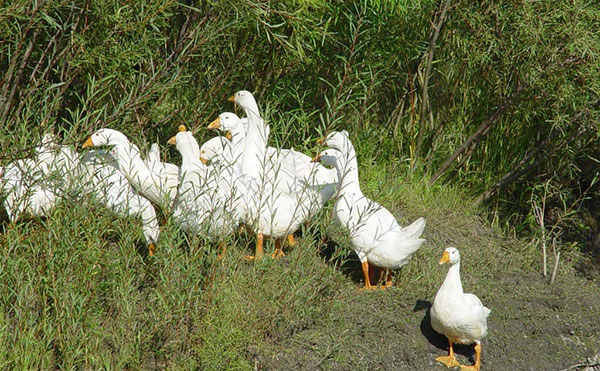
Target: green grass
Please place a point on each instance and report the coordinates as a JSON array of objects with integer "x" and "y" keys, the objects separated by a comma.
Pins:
[{"x": 79, "y": 292}]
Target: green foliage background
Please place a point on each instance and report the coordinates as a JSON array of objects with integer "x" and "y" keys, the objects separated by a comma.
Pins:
[
  {"x": 315, "y": 66},
  {"x": 529, "y": 69}
]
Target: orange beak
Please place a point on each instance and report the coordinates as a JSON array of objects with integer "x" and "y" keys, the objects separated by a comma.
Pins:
[
  {"x": 88, "y": 143},
  {"x": 445, "y": 258},
  {"x": 317, "y": 158},
  {"x": 216, "y": 124}
]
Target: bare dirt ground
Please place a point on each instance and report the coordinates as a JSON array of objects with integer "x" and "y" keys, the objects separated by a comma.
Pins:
[{"x": 533, "y": 326}]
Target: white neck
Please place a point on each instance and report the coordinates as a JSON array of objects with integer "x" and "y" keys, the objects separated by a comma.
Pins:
[
  {"x": 189, "y": 159},
  {"x": 255, "y": 146},
  {"x": 137, "y": 172},
  {"x": 347, "y": 171},
  {"x": 235, "y": 147},
  {"x": 251, "y": 111},
  {"x": 129, "y": 159},
  {"x": 452, "y": 283}
]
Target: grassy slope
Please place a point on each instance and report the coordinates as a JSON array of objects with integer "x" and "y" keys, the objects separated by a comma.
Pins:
[{"x": 77, "y": 291}]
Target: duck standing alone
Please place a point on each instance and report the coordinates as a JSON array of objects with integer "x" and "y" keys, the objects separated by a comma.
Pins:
[{"x": 461, "y": 317}]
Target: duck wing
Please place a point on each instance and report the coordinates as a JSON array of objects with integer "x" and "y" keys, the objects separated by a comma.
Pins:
[{"x": 474, "y": 302}]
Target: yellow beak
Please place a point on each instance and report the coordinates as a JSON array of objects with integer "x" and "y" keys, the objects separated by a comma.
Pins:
[
  {"x": 216, "y": 124},
  {"x": 321, "y": 141},
  {"x": 228, "y": 135},
  {"x": 231, "y": 99},
  {"x": 204, "y": 161},
  {"x": 88, "y": 143},
  {"x": 317, "y": 158},
  {"x": 445, "y": 258},
  {"x": 173, "y": 140}
]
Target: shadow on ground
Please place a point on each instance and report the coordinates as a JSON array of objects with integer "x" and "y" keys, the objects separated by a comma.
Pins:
[
  {"x": 349, "y": 264},
  {"x": 436, "y": 339}
]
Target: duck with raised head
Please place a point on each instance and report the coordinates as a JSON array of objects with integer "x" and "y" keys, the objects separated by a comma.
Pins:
[
  {"x": 461, "y": 317},
  {"x": 277, "y": 165},
  {"x": 206, "y": 201},
  {"x": 294, "y": 163},
  {"x": 376, "y": 236},
  {"x": 268, "y": 211}
]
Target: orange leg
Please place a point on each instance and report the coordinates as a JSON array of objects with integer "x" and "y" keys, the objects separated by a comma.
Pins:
[
  {"x": 372, "y": 269},
  {"x": 259, "y": 248},
  {"x": 477, "y": 364},
  {"x": 388, "y": 280},
  {"x": 151, "y": 249},
  {"x": 222, "y": 250},
  {"x": 365, "y": 267},
  {"x": 278, "y": 253},
  {"x": 450, "y": 359},
  {"x": 291, "y": 240}
]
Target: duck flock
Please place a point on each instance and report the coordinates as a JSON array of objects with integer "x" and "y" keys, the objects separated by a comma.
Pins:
[{"x": 238, "y": 179}]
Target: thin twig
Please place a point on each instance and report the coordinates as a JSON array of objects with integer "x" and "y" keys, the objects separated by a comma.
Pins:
[
  {"x": 556, "y": 260},
  {"x": 579, "y": 365},
  {"x": 425, "y": 88}
]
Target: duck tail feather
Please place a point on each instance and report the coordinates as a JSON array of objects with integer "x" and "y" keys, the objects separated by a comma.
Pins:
[{"x": 415, "y": 229}]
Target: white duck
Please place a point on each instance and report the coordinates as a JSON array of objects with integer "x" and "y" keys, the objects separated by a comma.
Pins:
[
  {"x": 235, "y": 132},
  {"x": 206, "y": 202},
  {"x": 211, "y": 151},
  {"x": 314, "y": 176},
  {"x": 283, "y": 166},
  {"x": 25, "y": 184},
  {"x": 154, "y": 180},
  {"x": 376, "y": 236},
  {"x": 268, "y": 210},
  {"x": 111, "y": 188},
  {"x": 96, "y": 173},
  {"x": 461, "y": 317},
  {"x": 153, "y": 154}
]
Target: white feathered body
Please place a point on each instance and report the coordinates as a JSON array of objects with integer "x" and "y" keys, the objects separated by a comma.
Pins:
[
  {"x": 460, "y": 316},
  {"x": 26, "y": 189},
  {"x": 375, "y": 234}
]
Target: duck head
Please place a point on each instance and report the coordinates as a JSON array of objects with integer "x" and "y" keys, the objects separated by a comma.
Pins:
[
  {"x": 104, "y": 137},
  {"x": 227, "y": 122},
  {"x": 329, "y": 157},
  {"x": 339, "y": 140},
  {"x": 451, "y": 255},
  {"x": 243, "y": 98},
  {"x": 185, "y": 143},
  {"x": 211, "y": 149}
]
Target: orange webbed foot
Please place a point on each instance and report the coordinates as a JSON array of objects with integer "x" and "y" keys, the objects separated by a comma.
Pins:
[
  {"x": 449, "y": 361},
  {"x": 277, "y": 254}
]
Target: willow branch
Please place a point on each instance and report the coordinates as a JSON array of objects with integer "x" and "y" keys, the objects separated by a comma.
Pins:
[
  {"x": 425, "y": 89},
  {"x": 479, "y": 134}
]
